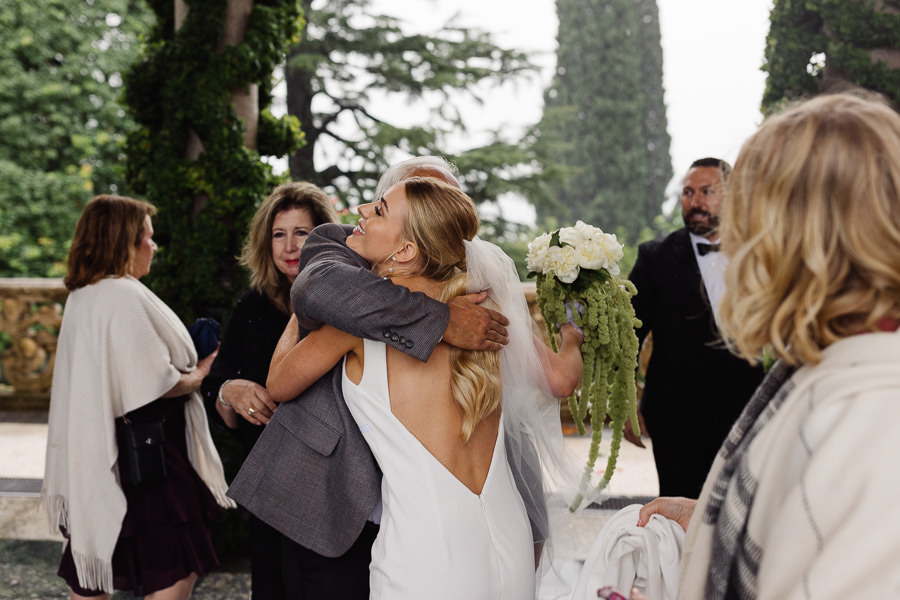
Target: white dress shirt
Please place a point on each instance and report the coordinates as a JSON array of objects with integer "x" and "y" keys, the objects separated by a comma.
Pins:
[{"x": 712, "y": 271}]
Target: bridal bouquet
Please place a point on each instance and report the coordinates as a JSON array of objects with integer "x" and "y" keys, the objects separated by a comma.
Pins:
[{"x": 577, "y": 270}]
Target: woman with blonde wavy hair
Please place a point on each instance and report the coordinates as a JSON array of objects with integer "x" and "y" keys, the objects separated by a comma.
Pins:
[
  {"x": 453, "y": 524},
  {"x": 800, "y": 502}
]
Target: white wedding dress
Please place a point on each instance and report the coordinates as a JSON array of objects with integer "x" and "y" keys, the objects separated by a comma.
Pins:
[{"x": 438, "y": 539}]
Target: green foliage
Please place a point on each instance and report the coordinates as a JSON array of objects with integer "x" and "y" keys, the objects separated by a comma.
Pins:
[
  {"x": 604, "y": 117},
  {"x": 61, "y": 130},
  {"x": 819, "y": 45},
  {"x": 182, "y": 85},
  {"x": 351, "y": 55},
  {"x": 609, "y": 351}
]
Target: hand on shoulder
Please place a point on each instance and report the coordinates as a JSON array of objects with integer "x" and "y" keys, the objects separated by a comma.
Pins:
[{"x": 474, "y": 327}]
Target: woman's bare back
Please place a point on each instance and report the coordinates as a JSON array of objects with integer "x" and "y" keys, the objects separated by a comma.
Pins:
[{"x": 421, "y": 401}]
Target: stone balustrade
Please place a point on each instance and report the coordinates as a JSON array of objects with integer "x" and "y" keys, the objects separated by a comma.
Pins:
[{"x": 30, "y": 316}]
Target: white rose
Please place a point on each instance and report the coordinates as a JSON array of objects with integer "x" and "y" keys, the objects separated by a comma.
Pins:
[
  {"x": 563, "y": 263},
  {"x": 587, "y": 231},
  {"x": 536, "y": 259},
  {"x": 570, "y": 236},
  {"x": 614, "y": 252},
  {"x": 591, "y": 254}
]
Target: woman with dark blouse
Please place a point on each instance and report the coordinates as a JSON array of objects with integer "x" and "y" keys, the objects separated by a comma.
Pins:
[{"x": 235, "y": 381}]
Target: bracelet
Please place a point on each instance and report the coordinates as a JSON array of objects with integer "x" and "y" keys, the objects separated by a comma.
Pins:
[{"x": 222, "y": 387}]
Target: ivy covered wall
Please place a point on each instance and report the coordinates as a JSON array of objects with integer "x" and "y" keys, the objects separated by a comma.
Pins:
[{"x": 181, "y": 89}]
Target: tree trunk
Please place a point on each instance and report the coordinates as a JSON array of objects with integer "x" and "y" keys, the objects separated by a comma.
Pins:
[
  {"x": 299, "y": 104},
  {"x": 245, "y": 100}
]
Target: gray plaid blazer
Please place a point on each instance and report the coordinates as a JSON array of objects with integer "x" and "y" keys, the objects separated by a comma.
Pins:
[{"x": 311, "y": 475}]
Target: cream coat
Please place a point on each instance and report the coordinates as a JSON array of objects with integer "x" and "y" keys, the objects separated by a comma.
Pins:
[{"x": 825, "y": 511}]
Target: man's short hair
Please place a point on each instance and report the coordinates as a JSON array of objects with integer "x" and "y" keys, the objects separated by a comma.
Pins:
[
  {"x": 412, "y": 166},
  {"x": 709, "y": 161}
]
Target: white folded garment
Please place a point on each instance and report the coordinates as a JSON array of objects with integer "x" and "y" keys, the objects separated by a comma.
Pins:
[{"x": 625, "y": 556}]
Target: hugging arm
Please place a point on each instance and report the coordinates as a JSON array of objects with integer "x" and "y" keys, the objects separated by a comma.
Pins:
[
  {"x": 336, "y": 286},
  {"x": 297, "y": 364}
]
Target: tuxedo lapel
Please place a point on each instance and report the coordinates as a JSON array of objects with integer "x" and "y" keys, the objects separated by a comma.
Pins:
[{"x": 691, "y": 279}]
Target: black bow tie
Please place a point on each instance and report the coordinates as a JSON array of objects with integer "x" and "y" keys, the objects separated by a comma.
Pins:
[{"x": 704, "y": 249}]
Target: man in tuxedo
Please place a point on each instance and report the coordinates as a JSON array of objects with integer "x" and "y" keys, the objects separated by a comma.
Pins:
[
  {"x": 311, "y": 475},
  {"x": 695, "y": 388}
]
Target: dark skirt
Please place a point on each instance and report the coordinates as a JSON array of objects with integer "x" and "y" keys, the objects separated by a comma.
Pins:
[{"x": 165, "y": 534}]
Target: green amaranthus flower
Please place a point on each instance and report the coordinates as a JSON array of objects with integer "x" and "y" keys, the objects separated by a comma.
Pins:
[{"x": 610, "y": 347}]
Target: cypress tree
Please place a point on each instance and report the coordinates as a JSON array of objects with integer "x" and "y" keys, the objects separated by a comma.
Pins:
[{"x": 604, "y": 116}]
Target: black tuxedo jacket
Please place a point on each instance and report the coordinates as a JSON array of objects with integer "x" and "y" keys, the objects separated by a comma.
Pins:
[{"x": 695, "y": 388}]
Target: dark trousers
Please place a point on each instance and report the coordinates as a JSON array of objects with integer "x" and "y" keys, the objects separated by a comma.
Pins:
[
  {"x": 683, "y": 456},
  {"x": 311, "y": 576},
  {"x": 265, "y": 562}
]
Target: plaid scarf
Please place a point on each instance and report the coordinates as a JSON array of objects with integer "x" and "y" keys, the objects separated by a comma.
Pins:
[{"x": 736, "y": 557}]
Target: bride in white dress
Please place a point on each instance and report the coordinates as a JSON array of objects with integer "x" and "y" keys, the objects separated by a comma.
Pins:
[{"x": 453, "y": 524}]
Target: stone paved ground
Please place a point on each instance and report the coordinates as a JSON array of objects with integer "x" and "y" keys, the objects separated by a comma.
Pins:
[
  {"x": 28, "y": 570},
  {"x": 28, "y": 566},
  {"x": 29, "y": 554}
]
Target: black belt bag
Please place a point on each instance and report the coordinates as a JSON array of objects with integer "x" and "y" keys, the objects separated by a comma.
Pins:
[{"x": 141, "y": 458}]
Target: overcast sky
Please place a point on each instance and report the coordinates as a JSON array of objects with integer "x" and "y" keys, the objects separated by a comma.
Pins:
[{"x": 712, "y": 53}]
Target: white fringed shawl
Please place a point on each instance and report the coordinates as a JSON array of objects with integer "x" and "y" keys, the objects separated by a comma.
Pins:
[{"x": 120, "y": 348}]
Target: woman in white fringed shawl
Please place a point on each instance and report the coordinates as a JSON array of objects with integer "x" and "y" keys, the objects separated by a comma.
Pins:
[
  {"x": 801, "y": 499},
  {"x": 121, "y": 352}
]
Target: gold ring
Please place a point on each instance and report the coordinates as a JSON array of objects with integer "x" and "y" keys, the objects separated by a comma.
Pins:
[{"x": 250, "y": 411}]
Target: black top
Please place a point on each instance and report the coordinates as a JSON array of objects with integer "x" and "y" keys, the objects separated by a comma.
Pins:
[{"x": 250, "y": 337}]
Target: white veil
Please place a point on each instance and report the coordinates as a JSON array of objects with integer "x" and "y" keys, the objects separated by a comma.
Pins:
[{"x": 535, "y": 447}]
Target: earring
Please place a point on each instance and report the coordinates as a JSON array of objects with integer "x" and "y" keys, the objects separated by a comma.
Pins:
[{"x": 391, "y": 268}]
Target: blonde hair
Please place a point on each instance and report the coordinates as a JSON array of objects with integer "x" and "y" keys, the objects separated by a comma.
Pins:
[
  {"x": 475, "y": 381},
  {"x": 439, "y": 218},
  {"x": 256, "y": 255},
  {"x": 812, "y": 225}
]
